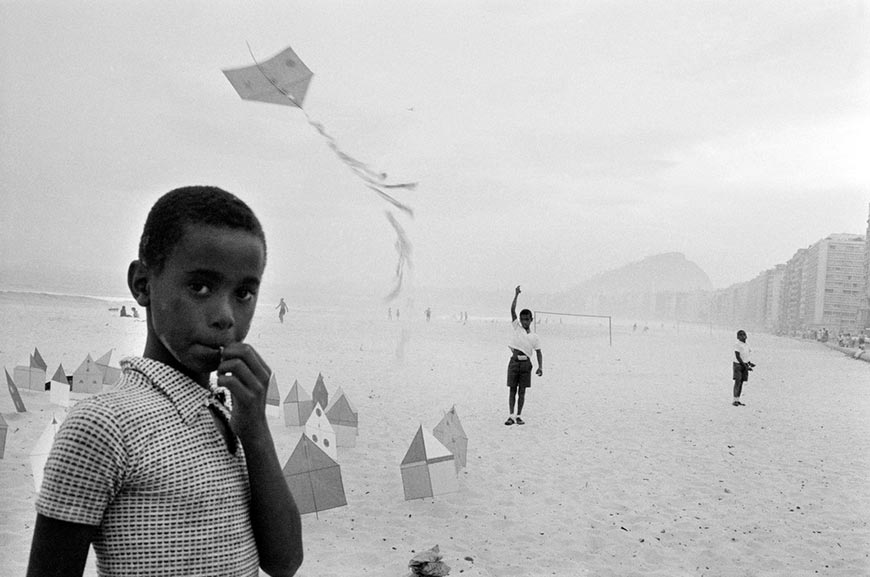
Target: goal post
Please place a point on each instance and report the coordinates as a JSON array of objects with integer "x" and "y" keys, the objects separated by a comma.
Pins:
[{"x": 608, "y": 317}]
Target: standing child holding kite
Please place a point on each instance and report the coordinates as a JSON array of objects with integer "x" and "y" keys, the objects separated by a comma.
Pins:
[
  {"x": 740, "y": 366},
  {"x": 174, "y": 472},
  {"x": 519, "y": 372}
]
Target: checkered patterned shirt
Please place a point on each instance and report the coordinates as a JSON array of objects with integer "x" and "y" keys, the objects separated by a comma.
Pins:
[{"x": 147, "y": 464}]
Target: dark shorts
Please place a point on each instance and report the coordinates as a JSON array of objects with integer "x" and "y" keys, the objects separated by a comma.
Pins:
[
  {"x": 739, "y": 373},
  {"x": 519, "y": 373}
]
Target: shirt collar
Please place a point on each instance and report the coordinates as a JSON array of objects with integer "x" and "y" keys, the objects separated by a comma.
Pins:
[{"x": 183, "y": 392}]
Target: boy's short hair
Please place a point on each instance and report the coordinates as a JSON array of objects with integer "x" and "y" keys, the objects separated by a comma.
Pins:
[
  {"x": 741, "y": 332},
  {"x": 525, "y": 312},
  {"x": 192, "y": 205}
]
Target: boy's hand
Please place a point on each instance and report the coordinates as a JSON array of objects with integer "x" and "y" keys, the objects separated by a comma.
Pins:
[
  {"x": 246, "y": 375},
  {"x": 539, "y": 372},
  {"x": 518, "y": 291}
]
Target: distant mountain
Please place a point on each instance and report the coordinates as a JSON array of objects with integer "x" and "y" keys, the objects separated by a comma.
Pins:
[
  {"x": 622, "y": 289},
  {"x": 670, "y": 271}
]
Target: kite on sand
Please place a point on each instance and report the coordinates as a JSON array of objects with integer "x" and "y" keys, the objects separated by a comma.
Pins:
[{"x": 284, "y": 79}]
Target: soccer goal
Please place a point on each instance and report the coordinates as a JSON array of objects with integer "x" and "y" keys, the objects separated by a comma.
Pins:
[{"x": 576, "y": 324}]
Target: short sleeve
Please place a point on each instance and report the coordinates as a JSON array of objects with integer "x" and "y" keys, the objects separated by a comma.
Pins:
[{"x": 86, "y": 465}]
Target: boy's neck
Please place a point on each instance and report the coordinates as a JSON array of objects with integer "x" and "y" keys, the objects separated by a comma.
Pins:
[{"x": 157, "y": 351}]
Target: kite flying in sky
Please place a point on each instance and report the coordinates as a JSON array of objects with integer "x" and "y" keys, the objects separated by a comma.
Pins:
[{"x": 284, "y": 79}]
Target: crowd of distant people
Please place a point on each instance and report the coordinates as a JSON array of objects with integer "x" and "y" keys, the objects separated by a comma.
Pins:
[{"x": 843, "y": 339}]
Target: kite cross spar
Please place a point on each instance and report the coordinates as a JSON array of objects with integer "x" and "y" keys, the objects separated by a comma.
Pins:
[{"x": 284, "y": 79}]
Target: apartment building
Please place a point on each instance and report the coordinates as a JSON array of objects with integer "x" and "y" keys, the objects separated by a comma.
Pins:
[{"x": 832, "y": 288}]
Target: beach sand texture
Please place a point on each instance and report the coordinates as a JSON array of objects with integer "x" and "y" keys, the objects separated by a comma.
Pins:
[{"x": 632, "y": 461}]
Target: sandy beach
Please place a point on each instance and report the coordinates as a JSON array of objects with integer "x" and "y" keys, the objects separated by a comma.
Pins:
[{"x": 632, "y": 462}]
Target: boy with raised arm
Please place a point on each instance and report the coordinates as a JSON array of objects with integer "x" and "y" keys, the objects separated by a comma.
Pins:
[
  {"x": 519, "y": 373},
  {"x": 174, "y": 472}
]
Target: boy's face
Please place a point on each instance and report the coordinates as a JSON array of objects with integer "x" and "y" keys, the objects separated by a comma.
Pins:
[
  {"x": 204, "y": 298},
  {"x": 741, "y": 336},
  {"x": 525, "y": 320}
]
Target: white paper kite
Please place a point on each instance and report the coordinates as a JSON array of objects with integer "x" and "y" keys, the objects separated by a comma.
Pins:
[
  {"x": 284, "y": 79},
  {"x": 428, "y": 469},
  {"x": 39, "y": 453},
  {"x": 451, "y": 434}
]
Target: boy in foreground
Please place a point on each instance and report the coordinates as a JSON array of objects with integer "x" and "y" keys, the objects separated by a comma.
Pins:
[
  {"x": 158, "y": 474},
  {"x": 519, "y": 372}
]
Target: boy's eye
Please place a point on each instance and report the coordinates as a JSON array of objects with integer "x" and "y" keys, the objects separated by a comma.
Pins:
[
  {"x": 198, "y": 288},
  {"x": 245, "y": 294}
]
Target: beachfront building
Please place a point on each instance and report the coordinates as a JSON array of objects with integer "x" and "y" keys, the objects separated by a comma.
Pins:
[
  {"x": 833, "y": 284},
  {"x": 864, "y": 306},
  {"x": 773, "y": 297},
  {"x": 790, "y": 316}
]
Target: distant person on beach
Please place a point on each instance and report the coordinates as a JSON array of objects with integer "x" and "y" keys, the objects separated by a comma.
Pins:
[
  {"x": 282, "y": 310},
  {"x": 135, "y": 312},
  {"x": 519, "y": 372},
  {"x": 174, "y": 472},
  {"x": 123, "y": 311},
  {"x": 428, "y": 314},
  {"x": 741, "y": 366}
]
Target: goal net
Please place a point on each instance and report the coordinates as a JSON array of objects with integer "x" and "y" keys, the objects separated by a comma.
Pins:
[{"x": 574, "y": 325}]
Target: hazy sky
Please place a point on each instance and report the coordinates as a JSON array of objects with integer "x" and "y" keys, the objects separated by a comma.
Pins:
[{"x": 551, "y": 140}]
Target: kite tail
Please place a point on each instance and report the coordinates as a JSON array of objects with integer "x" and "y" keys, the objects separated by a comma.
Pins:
[
  {"x": 403, "y": 247},
  {"x": 403, "y": 207},
  {"x": 360, "y": 168},
  {"x": 376, "y": 182}
]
